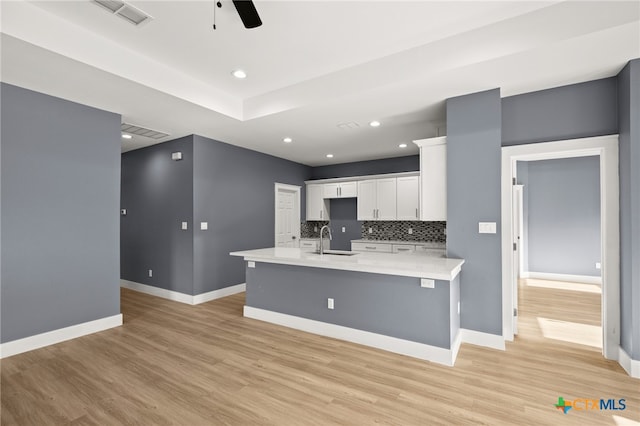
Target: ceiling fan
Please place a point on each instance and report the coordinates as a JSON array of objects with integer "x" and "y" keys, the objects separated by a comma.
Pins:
[{"x": 247, "y": 12}]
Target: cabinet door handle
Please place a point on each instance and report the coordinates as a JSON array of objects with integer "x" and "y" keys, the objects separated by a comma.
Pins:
[
  {"x": 370, "y": 248},
  {"x": 403, "y": 249},
  {"x": 339, "y": 192},
  {"x": 320, "y": 214},
  {"x": 416, "y": 213}
]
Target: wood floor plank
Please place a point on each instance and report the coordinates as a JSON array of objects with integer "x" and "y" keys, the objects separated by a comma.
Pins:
[{"x": 175, "y": 364}]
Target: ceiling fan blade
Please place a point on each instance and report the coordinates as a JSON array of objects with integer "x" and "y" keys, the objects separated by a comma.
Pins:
[{"x": 248, "y": 13}]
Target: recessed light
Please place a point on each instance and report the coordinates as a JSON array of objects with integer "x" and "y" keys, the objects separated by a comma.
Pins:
[
  {"x": 126, "y": 136},
  {"x": 403, "y": 145},
  {"x": 329, "y": 155},
  {"x": 374, "y": 123},
  {"x": 287, "y": 140},
  {"x": 239, "y": 74}
]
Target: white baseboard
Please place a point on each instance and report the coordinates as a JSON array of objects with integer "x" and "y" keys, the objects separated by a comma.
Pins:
[
  {"x": 60, "y": 335},
  {"x": 455, "y": 346},
  {"x": 585, "y": 279},
  {"x": 182, "y": 297},
  {"x": 217, "y": 294},
  {"x": 479, "y": 338},
  {"x": 631, "y": 366},
  {"x": 380, "y": 341}
]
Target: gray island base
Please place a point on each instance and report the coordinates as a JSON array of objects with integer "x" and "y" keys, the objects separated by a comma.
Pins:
[{"x": 387, "y": 311}]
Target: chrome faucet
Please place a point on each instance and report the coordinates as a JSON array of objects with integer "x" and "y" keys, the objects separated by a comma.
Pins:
[{"x": 322, "y": 232}]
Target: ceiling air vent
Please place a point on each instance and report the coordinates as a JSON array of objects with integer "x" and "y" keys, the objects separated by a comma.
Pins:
[
  {"x": 141, "y": 131},
  {"x": 348, "y": 125},
  {"x": 125, "y": 11}
]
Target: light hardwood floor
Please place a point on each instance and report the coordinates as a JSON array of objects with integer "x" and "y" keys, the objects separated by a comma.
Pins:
[{"x": 172, "y": 363}]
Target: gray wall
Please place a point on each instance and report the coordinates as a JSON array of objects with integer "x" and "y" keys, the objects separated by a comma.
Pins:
[
  {"x": 629, "y": 122},
  {"x": 344, "y": 212},
  {"x": 563, "y": 215},
  {"x": 568, "y": 112},
  {"x": 234, "y": 192},
  {"x": 60, "y": 197},
  {"x": 158, "y": 195},
  {"x": 473, "y": 195},
  {"x": 409, "y": 163},
  {"x": 385, "y": 304}
]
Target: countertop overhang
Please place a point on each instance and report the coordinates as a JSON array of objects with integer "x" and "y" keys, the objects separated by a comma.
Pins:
[{"x": 406, "y": 265}]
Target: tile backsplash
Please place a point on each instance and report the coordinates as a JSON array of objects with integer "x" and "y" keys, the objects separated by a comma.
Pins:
[
  {"x": 387, "y": 230},
  {"x": 399, "y": 230},
  {"x": 311, "y": 228}
]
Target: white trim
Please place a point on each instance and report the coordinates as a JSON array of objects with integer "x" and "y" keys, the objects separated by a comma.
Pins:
[
  {"x": 606, "y": 147},
  {"x": 218, "y": 294},
  {"x": 182, "y": 297},
  {"x": 440, "y": 140},
  {"x": 159, "y": 292},
  {"x": 631, "y": 366},
  {"x": 455, "y": 346},
  {"x": 297, "y": 207},
  {"x": 479, "y": 338},
  {"x": 585, "y": 279},
  {"x": 380, "y": 341},
  {"x": 30, "y": 343},
  {"x": 367, "y": 177}
]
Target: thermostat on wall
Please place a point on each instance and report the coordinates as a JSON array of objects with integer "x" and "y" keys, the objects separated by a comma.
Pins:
[{"x": 123, "y": 212}]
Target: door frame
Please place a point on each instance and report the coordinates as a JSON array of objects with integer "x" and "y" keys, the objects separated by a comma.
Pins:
[
  {"x": 296, "y": 190},
  {"x": 606, "y": 147}
]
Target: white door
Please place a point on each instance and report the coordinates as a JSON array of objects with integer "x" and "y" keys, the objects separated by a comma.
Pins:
[
  {"x": 517, "y": 249},
  {"x": 408, "y": 196},
  {"x": 331, "y": 190},
  {"x": 386, "y": 199},
  {"x": 287, "y": 226},
  {"x": 366, "y": 200}
]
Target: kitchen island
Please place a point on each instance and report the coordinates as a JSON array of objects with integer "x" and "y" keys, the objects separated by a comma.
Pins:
[{"x": 404, "y": 303}]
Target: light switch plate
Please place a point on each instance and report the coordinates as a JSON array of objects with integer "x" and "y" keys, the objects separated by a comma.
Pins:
[
  {"x": 427, "y": 283},
  {"x": 204, "y": 226},
  {"x": 329, "y": 303},
  {"x": 176, "y": 156},
  {"x": 344, "y": 229},
  {"x": 486, "y": 227},
  {"x": 185, "y": 226},
  {"x": 598, "y": 265},
  {"x": 251, "y": 264}
]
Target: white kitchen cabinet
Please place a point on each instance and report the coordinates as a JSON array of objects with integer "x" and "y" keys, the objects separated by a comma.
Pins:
[
  {"x": 377, "y": 199},
  {"x": 403, "y": 248},
  {"x": 317, "y": 206},
  {"x": 341, "y": 190},
  {"x": 313, "y": 244},
  {"x": 433, "y": 178},
  {"x": 408, "y": 198},
  {"x": 372, "y": 247}
]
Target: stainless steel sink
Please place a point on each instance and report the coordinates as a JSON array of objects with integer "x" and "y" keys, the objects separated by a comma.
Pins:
[{"x": 337, "y": 252}]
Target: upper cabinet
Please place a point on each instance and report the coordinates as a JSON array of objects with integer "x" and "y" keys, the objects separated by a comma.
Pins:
[
  {"x": 408, "y": 198},
  {"x": 433, "y": 178},
  {"x": 377, "y": 199},
  {"x": 317, "y": 206},
  {"x": 341, "y": 190}
]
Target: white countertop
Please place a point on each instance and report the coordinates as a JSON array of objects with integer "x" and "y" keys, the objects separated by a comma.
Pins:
[
  {"x": 429, "y": 244},
  {"x": 406, "y": 265}
]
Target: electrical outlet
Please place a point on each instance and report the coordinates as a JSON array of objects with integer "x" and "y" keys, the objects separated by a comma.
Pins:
[
  {"x": 370, "y": 230},
  {"x": 410, "y": 231},
  {"x": 151, "y": 272},
  {"x": 185, "y": 226},
  {"x": 330, "y": 303},
  {"x": 315, "y": 229},
  {"x": 344, "y": 229}
]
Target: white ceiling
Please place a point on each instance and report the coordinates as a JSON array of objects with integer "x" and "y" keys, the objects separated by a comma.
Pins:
[{"x": 311, "y": 66}]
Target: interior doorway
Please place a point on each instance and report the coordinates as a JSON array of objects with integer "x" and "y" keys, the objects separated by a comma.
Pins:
[
  {"x": 606, "y": 148},
  {"x": 287, "y": 215}
]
